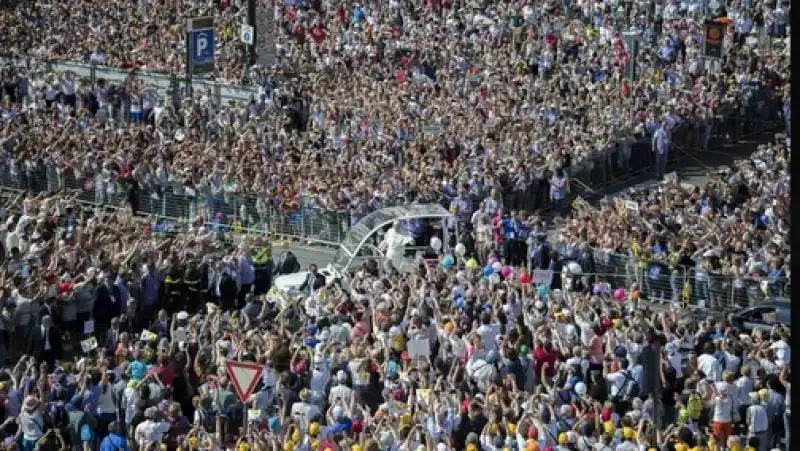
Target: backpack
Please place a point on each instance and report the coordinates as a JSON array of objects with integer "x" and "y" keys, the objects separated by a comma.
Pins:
[
  {"x": 694, "y": 406},
  {"x": 630, "y": 388}
]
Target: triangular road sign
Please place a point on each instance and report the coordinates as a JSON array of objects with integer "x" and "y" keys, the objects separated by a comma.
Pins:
[{"x": 244, "y": 376}]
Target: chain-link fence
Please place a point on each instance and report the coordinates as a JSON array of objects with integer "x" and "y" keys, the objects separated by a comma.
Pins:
[{"x": 693, "y": 287}]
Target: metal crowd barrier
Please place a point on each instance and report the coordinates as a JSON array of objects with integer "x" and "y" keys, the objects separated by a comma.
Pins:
[
  {"x": 161, "y": 81},
  {"x": 692, "y": 287},
  {"x": 624, "y": 159},
  {"x": 179, "y": 203}
]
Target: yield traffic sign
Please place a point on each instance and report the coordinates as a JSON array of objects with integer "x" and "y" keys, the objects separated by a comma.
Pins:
[{"x": 244, "y": 376}]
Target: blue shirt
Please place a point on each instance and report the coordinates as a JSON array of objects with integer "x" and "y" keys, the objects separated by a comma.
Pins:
[
  {"x": 636, "y": 373},
  {"x": 345, "y": 425},
  {"x": 660, "y": 142},
  {"x": 114, "y": 442},
  {"x": 90, "y": 398},
  {"x": 247, "y": 272},
  {"x": 138, "y": 369},
  {"x": 149, "y": 283},
  {"x": 464, "y": 208},
  {"x": 121, "y": 292},
  {"x": 509, "y": 229}
]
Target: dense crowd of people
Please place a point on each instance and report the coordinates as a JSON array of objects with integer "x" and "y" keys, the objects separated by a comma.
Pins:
[
  {"x": 734, "y": 227},
  {"x": 502, "y": 99},
  {"x": 115, "y": 327},
  {"x": 453, "y": 355}
]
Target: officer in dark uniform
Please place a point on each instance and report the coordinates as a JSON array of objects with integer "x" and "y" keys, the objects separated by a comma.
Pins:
[
  {"x": 287, "y": 263},
  {"x": 261, "y": 253},
  {"x": 174, "y": 289},
  {"x": 192, "y": 280}
]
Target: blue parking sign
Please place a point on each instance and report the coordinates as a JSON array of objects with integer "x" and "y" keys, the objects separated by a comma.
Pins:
[{"x": 201, "y": 45}]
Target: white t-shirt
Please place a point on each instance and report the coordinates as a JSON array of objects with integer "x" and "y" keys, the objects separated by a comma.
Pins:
[
  {"x": 710, "y": 366},
  {"x": 723, "y": 409},
  {"x": 616, "y": 382},
  {"x": 481, "y": 372},
  {"x": 782, "y": 352},
  {"x": 488, "y": 334},
  {"x": 302, "y": 412},
  {"x": 744, "y": 385},
  {"x": 150, "y": 431},
  {"x": 586, "y": 330},
  {"x": 158, "y": 113},
  {"x": 129, "y": 398},
  {"x": 319, "y": 379},
  {"x": 731, "y": 362},
  {"x": 342, "y": 392},
  {"x": 676, "y": 362},
  {"x": 627, "y": 446},
  {"x": 68, "y": 85}
]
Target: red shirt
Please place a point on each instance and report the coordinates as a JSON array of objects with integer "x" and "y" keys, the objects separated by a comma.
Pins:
[
  {"x": 543, "y": 356},
  {"x": 317, "y": 33},
  {"x": 64, "y": 287},
  {"x": 166, "y": 374}
]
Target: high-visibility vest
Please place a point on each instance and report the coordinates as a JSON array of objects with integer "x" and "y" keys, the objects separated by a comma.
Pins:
[
  {"x": 261, "y": 255},
  {"x": 192, "y": 280},
  {"x": 173, "y": 284}
]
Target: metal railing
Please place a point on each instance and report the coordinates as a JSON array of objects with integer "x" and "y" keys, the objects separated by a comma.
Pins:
[
  {"x": 247, "y": 212},
  {"x": 694, "y": 287},
  {"x": 625, "y": 157},
  {"x": 161, "y": 81}
]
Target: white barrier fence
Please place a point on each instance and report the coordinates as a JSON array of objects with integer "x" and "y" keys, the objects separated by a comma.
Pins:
[{"x": 161, "y": 81}]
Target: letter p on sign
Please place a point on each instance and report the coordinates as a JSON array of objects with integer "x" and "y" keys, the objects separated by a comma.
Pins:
[{"x": 202, "y": 45}]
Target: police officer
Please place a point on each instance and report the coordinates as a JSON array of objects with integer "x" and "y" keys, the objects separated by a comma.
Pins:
[
  {"x": 174, "y": 295},
  {"x": 192, "y": 280},
  {"x": 261, "y": 253},
  {"x": 287, "y": 262}
]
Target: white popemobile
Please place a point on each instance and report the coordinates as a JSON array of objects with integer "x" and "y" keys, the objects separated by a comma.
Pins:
[{"x": 355, "y": 249}]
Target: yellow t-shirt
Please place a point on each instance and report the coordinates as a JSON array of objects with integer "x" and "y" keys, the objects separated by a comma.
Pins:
[{"x": 628, "y": 433}]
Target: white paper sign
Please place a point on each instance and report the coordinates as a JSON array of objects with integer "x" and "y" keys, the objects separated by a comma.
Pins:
[
  {"x": 631, "y": 205},
  {"x": 89, "y": 344},
  {"x": 147, "y": 336},
  {"x": 420, "y": 348},
  {"x": 88, "y": 327},
  {"x": 542, "y": 276}
]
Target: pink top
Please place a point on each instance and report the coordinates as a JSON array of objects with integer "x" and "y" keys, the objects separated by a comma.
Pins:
[{"x": 596, "y": 350}]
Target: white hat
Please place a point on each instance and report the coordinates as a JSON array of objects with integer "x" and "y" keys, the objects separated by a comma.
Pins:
[{"x": 182, "y": 315}]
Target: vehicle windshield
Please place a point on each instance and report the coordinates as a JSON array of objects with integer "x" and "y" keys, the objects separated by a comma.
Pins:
[
  {"x": 766, "y": 315},
  {"x": 370, "y": 224}
]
